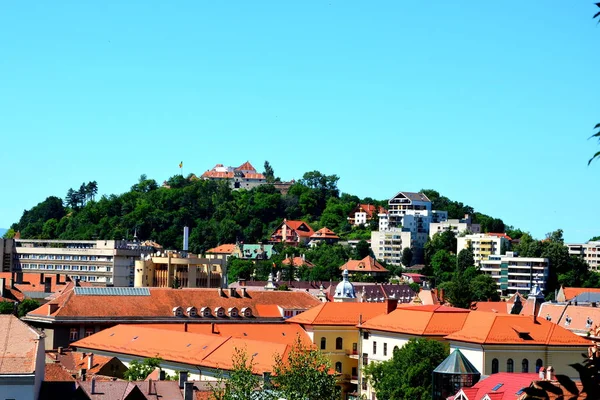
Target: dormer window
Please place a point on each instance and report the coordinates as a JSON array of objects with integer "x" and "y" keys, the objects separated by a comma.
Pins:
[
  {"x": 247, "y": 312},
  {"x": 178, "y": 311},
  {"x": 219, "y": 312},
  {"x": 588, "y": 322},
  {"x": 548, "y": 317},
  {"x": 567, "y": 321},
  {"x": 233, "y": 312},
  {"x": 205, "y": 312},
  {"x": 192, "y": 311}
]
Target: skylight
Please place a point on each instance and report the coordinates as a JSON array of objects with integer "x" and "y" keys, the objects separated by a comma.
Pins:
[{"x": 498, "y": 386}]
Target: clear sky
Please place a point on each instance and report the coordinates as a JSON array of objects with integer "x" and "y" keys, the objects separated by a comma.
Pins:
[{"x": 490, "y": 103}]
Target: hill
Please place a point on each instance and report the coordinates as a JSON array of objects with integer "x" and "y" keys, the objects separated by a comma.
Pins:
[{"x": 215, "y": 213}]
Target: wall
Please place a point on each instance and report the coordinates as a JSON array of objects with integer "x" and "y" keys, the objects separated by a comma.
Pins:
[{"x": 18, "y": 387}]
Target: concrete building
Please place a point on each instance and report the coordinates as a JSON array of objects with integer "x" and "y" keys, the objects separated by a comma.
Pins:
[
  {"x": 363, "y": 213},
  {"x": 387, "y": 245},
  {"x": 483, "y": 245},
  {"x": 6, "y": 254},
  {"x": 455, "y": 225},
  {"x": 174, "y": 269},
  {"x": 589, "y": 252},
  {"x": 21, "y": 360},
  {"x": 100, "y": 262},
  {"x": 243, "y": 177},
  {"x": 513, "y": 273}
]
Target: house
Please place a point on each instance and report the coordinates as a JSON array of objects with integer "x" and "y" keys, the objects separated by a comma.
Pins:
[
  {"x": 332, "y": 327},
  {"x": 569, "y": 293},
  {"x": 455, "y": 225},
  {"x": 513, "y": 273},
  {"x": 297, "y": 261},
  {"x": 380, "y": 335},
  {"x": 500, "y": 386},
  {"x": 253, "y": 252},
  {"x": 413, "y": 278},
  {"x": 82, "y": 365},
  {"x": 21, "y": 359},
  {"x": 81, "y": 312},
  {"x": 588, "y": 252},
  {"x": 221, "y": 252},
  {"x": 513, "y": 343},
  {"x": 17, "y": 286},
  {"x": 364, "y": 213},
  {"x": 292, "y": 233},
  {"x": 323, "y": 235},
  {"x": 243, "y": 177},
  {"x": 367, "y": 266}
]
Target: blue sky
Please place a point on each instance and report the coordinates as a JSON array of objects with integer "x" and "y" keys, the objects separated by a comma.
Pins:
[{"x": 490, "y": 103}]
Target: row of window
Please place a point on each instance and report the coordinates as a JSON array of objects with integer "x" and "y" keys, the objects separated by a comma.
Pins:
[
  {"x": 74, "y": 333},
  {"x": 59, "y": 267},
  {"x": 510, "y": 365},
  {"x": 63, "y": 257}
]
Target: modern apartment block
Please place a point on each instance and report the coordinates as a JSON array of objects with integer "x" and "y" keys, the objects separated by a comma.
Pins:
[
  {"x": 455, "y": 225},
  {"x": 513, "y": 273},
  {"x": 589, "y": 252},
  {"x": 405, "y": 224},
  {"x": 101, "y": 262},
  {"x": 483, "y": 245}
]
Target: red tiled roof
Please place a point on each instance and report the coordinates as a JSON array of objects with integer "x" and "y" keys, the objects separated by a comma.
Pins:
[
  {"x": 324, "y": 233},
  {"x": 491, "y": 328},
  {"x": 217, "y": 175},
  {"x": 429, "y": 320},
  {"x": 296, "y": 225},
  {"x": 246, "y": 167},
  {"x": 182, "y": 347},
  {"x": 500, "y": 307},
  {"x": 298, "y": 262},
  {"x": 161, "y": 301},
  {"x": 74, "y": 361},
  {"x": 18, "y": 346},
  {"x": 346, "y": 314},
  {"x": 503, "y": 235},
  {"x": 572, "y": 292},
  {"x": 367, "y": 264},
  {"x": 417, "y": 278},
  {"x": 31, "y": 282},
  {"x": 57, "y": 373},
  {"x": 510, "y": 384},
  {"x": 222, "y": 249}
]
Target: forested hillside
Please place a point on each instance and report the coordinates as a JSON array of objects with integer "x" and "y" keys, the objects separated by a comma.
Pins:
[{"x": 215, "y": 213}]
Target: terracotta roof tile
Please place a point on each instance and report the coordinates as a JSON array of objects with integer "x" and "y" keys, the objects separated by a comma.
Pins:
[
  {"x": 18, "y": 346},
  {"x": 572, "y": 292},
  {"x": 246, "y": 167},
  {"x": 509, "y": 384},
  {"x": 301, "y": 228},
  {"x": 57, "y": 373},
  {"x": 298, "y": 262},
  {"x": 324, "y": 233},
  {"x": 222, "y": 249},
  {"x": 346, "y": 314},
  {"x": 367, "y": 264},
  {"x": 74, "y": 361},
  {"x": 500, "y": 307},
  {"x": 491, "y": 328}
]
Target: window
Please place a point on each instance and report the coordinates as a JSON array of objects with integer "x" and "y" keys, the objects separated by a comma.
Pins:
[
  {"x": 510, "y": 365},
  {"x": 525, "y": 365},
  {"x": 385, "y": 349},
  {"x": 338, "y": 343},
  {"x": 323, "y": 343},
  {"x": 538, "y": 364},
  {"x": 338, "y": 367},
  {"x": 89, "y": 332},
  {"x": 365, "y": 359},
  {"x": 374, "y": 348},
  {"x": 495, "y": 366},
  {"x": 73, "y": 334}
]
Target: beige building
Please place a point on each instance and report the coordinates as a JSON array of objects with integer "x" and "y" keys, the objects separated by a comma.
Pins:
[
  {"x": 482, "y": 245},
  {"x": 172, "y": 269},
  {"x": 455, "y": 225},
  {"x": 516, "y": 274},
  {"x": 100, "y": 262},
  {"x": 589, "y": 252}
]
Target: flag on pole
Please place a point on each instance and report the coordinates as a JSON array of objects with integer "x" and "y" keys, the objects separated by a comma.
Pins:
[{"x": 181, "y": 164}]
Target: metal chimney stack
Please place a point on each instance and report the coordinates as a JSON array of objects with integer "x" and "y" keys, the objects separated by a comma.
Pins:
[{"x": 186, "y": 239}]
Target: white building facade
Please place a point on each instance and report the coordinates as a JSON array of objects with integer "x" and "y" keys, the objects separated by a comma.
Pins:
[
  {"x": 455, "y": 225},
  {"x": 589, "y": 252},
  {"x": 513, "y": 273},
  {"x": 482, "y": 245}
]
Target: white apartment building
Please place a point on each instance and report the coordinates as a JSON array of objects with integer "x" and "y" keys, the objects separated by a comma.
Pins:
[
  {"x": 589, "y": 252},
  {"x": 483, "y": 245},
  {"x": 455, "y": 225},
  {"x": 387, "y": 245},
  {"x": 513, "y": 273},
  {"x": 102, "y": 262}
]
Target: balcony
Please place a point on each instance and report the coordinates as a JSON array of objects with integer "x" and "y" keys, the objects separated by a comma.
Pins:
[{"x": 352, "y": 354}]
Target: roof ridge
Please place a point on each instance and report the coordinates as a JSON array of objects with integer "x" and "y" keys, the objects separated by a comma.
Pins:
[{"x": 489, "y": 332}]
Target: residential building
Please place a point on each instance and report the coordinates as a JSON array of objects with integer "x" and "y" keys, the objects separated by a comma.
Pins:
[
  {"x": 221, "y": 252},
  {"x": 6, "y": 254},
  {"x": 513, "y": 273},
  {"x": 175, "y": 269},
  {"x": 297, "y": 261},
  {"x": 387, "y": 245},
  {"x": 367, "y": 266},
  {"x": 323, "y": 235},
  {"x": 17, "y": 286},
  {"x": 380, "y": 335},
  {"x": 21, "y": 359},
  {"x": 292, "y": 233},
  {"x": 455, "y": 225},
  {"x": 482, "y": 245},
  {"x": 332, "y": 327},
  {"x": 100, "y": 262},
  {"x": 253, "y": 252},
  {"x": 83, "y": 311},
  {"x": 243, "y": 177},
  {"x": 362, "y": 214},
  {"x": 589, "y": 252},
  {"x": 513, "y": 343},
  {"x": 85, "y": 365},
  {"x": 569, "y": 293}
]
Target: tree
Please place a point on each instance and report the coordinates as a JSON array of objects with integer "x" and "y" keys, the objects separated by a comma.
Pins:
[
  {"x": 26, "y": 306},
  {"x": 7, "y": 307},
  {"x": 597, "y": 134},
  {"x": 465, "y": 259},
  {"x": 362, "y": 250},
  {"x": 443, "y": 265},
  {"x": 595, "y": 239},
  {"x": 407, "y": 256},
  {"x": 239, "y": 269},
  {"x": 241, "y": 382},
  {"x": 269, "y": 173},
  {"x": 138, "y": 371},
  {"x": 408, "y": 374},
  {"x": 305, "y": 374},
  {"x": 483, "y": 288},
  {"x": 441, "y": 241}
]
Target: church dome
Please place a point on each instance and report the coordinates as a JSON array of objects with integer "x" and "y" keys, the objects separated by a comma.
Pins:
[{"x": 345, "y": 289}]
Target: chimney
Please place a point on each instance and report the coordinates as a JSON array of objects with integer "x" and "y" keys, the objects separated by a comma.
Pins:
[
  {"x": 360, "y": 319},
  {"x": 93, "y": 385},
  {"x": 188, "y": 391},
  {"x": 19, "y": 277},
  {"x": 83, "y": 356},
  {"x": 11, "y": 282},
  {"x": 185, "y": 327},
  {"x": 441, "y": 295},
  {"x": 47, "y": 285},
  {"x": 232, "y": 292},
  {"x": 60, "y": 350},
  {"x": 212, "y": 328},
  {"x": 2, "y": 283},
  {"x": 90, "y": 361},
  {"x": 41, "y": 278},
  {"x": 82, "y": 373},
  {"x": 221, "y": 292},
  {"x": 241, "y": 282},
  {"x": 77, "y": 282},
  {"x": 183, "y": 377},
  {"x": 391, "y": 305},
  {"x": 161, "y": 375},
  {"x": 150, "y": 386},
  {"x": 244, "y": 292},
  {"x": 57, "y": 279},
  {"x": 549, "y": 373}
]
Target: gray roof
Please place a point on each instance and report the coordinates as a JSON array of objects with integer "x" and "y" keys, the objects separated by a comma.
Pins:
[
  {"x": 456, "y": 363},
  {"x": 413, "y": 196},
  {"x": 587, "y": 297}
]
